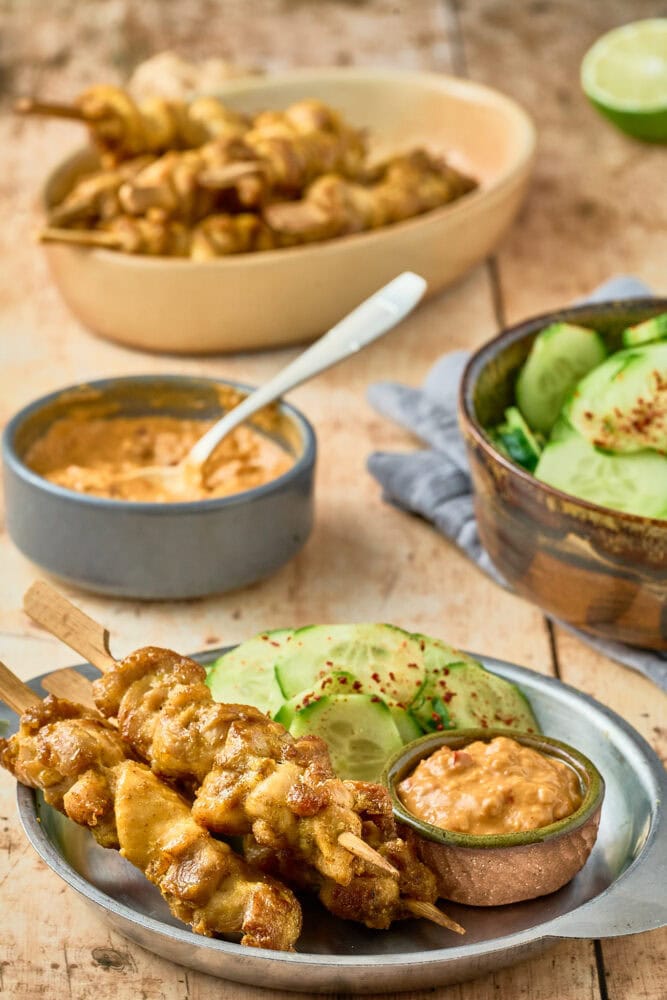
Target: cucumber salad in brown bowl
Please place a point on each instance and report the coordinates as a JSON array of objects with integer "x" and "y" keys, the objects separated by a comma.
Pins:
[
  {"x": 591, "y": 420},
  {"x": 565, "y": 421}
]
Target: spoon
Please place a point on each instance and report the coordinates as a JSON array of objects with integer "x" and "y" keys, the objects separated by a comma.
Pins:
[{"x": 370, "y": 320}]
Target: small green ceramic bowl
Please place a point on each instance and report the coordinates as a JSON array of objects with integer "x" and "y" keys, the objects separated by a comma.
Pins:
[{"x": 503, "y": 868}]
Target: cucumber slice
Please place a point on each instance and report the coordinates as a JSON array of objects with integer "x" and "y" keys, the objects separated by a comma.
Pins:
[
  {"x": 358, "y": 729},
  {"x": 245, "y": 675},
  {"x": 475, "y": 697},
  {"x": 384, "y": 660},
  {"x": 635, "y": 483},
  {"x": 459, "y": 692},
  {"x": 644, "y": 333},
  {"x": 516, "y": 440},
  {"x": 560, "y": 355},
  {"x": 338, "y": 682},
  {"x": 622, "y": 404},
  {"x": 406, "y": 723}
]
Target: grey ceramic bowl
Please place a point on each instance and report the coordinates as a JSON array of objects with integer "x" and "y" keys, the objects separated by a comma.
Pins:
[
  {"x": 504, "y": 868},
  {"x": 157, "y": 550}
]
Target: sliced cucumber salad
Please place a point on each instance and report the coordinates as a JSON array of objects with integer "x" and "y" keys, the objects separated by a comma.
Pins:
[
  {"x": 594, "y": 424},
  {"x": 560, "y": 355},
  {"x": 365, "y": 689}
]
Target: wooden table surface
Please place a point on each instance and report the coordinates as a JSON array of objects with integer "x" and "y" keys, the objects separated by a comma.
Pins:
[{"x": 596, "y": 207}]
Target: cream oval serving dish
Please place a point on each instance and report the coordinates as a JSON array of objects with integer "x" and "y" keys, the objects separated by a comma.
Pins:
[{"x": 285, "y": 296}]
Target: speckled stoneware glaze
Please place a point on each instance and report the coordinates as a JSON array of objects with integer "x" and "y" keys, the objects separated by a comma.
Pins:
[
  {"x": 601, "y": 570},
  {"x": 158, "y": 550},
  {"x": 508, "y": 868}
]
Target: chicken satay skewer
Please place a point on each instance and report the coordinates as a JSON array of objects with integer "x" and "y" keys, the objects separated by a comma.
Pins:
[
  {"x": 54, "y": 612},
  {"x": 386, "y": 897},
  {"x": 50, "y": 109},
  {"x": 80, "y": 764},
  {"x": 80, "y": 237},
  {"x": 343, "y": 899},
  {"x": 121, "y": 128},
  {"x": 73, "y": 686}
]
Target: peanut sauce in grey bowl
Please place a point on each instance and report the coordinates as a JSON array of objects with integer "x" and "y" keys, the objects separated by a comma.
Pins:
[{"x": 155, "y": 549}]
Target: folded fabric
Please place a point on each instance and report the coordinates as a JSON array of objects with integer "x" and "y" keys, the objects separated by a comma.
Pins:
[{"x": 435, "y": 482}]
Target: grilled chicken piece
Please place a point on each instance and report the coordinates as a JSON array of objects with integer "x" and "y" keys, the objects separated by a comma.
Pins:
[
  {"x": 249, "y": 775},
  {"x": 121, "y": 128},
  {"x": 94, "y": 197},
  {"x": 251, "y": 778},
  {"x": 402, "y": 188},
  {"x": 80, "y": 764},
  {"x": 371, "y": 898}
]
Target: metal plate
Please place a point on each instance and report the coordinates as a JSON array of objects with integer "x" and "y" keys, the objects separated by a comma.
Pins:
[{"x": 620, "y": 890}]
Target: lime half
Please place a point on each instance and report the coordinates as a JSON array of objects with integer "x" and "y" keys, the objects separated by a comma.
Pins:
[{"x": 624, "y": 75}]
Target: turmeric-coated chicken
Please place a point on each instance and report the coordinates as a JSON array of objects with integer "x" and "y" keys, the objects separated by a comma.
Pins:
[
  {"x": 281, "y": 154},
  {"x": 290, "y": 148},
  {"x": 371, "y": 897},
  {"x": 402, "y": 188},
  {"x": 80, "y": 764},
  {"x": 251, "y": 778},
  {"x": 247, "y": 773},
  {"x": 121, "y": 128}
]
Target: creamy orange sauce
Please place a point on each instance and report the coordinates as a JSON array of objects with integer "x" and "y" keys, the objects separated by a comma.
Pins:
[
  {"x": 491, "y": 788},
  {"x": 93, "y": 455}
]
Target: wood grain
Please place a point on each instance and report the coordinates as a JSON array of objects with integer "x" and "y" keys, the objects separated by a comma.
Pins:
[{"x": 595, "y": 209}]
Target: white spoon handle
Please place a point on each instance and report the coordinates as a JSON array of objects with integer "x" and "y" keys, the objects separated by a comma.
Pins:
[{"x": 362, "y": 326}]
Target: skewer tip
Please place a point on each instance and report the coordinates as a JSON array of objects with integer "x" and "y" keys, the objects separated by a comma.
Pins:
[
  {"x": 428, "y": 911},
  {"x": 355, "y": 845}
]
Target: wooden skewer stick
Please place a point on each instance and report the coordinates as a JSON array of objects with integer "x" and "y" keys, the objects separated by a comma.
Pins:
[
  {"x": 31, "y": 106},
  {"x": 53, "y": 611},
  {"x": 355, "y": 845},
  {"x": 71, "y": 686},
  {"x": 49, "y": 608},
  {"x": 15, "y": 694},
  {"x": 428, "y": 911},
  {"x": 80, "y": 237}
]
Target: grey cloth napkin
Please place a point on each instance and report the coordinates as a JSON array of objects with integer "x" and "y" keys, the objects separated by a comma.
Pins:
[{"x": 435, "y": 482}]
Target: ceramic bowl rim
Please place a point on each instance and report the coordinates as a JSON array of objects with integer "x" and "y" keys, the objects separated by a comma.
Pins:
[
  {"x": 485, "y": 354},
  {"x": 522, "y": 156},
  {"x": 410, "y": 755},
  {"x": 13, "y": 460}
]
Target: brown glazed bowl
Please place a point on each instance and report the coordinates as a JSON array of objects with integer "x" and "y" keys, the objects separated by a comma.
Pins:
[
  {"x": 504, "y": 868},
  {"x": 598, "y": 569}
]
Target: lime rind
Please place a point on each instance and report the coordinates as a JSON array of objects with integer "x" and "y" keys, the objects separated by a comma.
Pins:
[
  {"x": 645, "y": 62},
  {"x": 624, "y": 75}
]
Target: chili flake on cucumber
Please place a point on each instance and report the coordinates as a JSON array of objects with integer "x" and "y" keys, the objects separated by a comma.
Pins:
[
  {"x": 594, "y": 424},
  {"x": 366, "y": 689}
]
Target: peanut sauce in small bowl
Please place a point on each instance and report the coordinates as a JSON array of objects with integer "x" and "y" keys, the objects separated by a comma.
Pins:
[
  {"x": 70, "y": 510},
  {"x": 499, "y": 816}
]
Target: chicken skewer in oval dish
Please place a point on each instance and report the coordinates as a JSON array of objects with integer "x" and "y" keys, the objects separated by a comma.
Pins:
[{"x": 120, "y": 128}]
